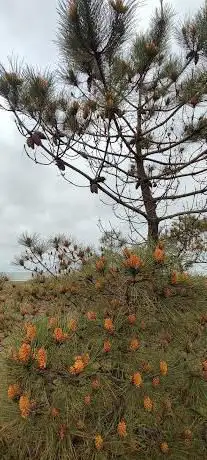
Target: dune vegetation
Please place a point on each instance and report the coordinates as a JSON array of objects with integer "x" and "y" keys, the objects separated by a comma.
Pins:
[{"x": 106, "y": 362}]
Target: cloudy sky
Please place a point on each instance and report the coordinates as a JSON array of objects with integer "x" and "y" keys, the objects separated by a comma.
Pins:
[{"x": 35, "y": 198}]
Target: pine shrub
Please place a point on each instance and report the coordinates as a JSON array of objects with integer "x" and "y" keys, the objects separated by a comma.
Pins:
[{"x": 124, "y": 376}]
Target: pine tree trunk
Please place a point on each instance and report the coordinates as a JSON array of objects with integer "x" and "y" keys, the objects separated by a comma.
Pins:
[
  {"x": 144, "y": 180},
  {"x": 150, "y": 205},
  {"x": 153, "y": 230}
]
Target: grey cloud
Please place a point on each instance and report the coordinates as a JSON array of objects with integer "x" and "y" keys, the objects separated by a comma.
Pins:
[
  {"x": 36, "y": 199},
  {"x": 28, "y": 29}
]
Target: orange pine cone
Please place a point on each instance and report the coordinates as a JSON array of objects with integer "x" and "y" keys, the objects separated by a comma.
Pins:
[
  {"x": 98, "y": 442},
  {"x": 148, "y": 404},
  {"x": 87, "y": 400},
  {"x": 107, "y": 346},
  {"x": 155, "y": 381},
  {"x": 24, "y": 352},
  {"x": 95, "y": 383},
  {"x": 133, "y": 262},
  {"x": 164, "y": 448},
  {"x": 121, "y": 429},
  {"x": 108, "y": 325},
  {"x": 100, "y": 264},
  {"x": 174, "y": 278},
  {"x": 13, "y": 391},
  {"x": 134, "y": 345},
  {"x": 91, "y": 315},
  {"x": 204, "y": 363},
  {"x": 78, "y": 366},
  {"x": 58, "y": 335},
  {"x": 55, "y": 412},
  {"x": 62, "y": 431},
  {"x": 98, "y": 284},
  {"x": 136, "y": 379},
  {"x": 31, "y": 331},
  {"x": 132, "y": 319},
  {"x": 42, "y": 358},
  {"x": 72, "y": 326},
  {"x": 159, "y": 254},
  {"x": 24, "y": 406},
  {"x": 163, "y": 368}
]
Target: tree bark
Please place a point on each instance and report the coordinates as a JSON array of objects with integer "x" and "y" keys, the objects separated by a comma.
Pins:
[
  {"x": 149, "y": 203},
  {"x": 144, "y": 180}
]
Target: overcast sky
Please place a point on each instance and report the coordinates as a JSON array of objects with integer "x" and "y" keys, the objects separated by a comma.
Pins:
[{"x": 35, "y": 198}]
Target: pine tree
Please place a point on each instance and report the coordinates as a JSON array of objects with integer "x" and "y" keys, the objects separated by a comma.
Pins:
[
  {"x": 129, "y": 117},
  {"x": 189, "y": 236}
]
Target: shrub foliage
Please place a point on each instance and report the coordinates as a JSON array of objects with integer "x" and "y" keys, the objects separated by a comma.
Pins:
[{"x": 121, "y": 376}]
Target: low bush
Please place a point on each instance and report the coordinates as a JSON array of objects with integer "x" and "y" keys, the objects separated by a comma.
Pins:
[{"x": 122, "y": 375}]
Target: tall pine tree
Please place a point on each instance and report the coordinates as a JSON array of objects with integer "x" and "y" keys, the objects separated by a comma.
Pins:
[{"x": 124, "y": 115}]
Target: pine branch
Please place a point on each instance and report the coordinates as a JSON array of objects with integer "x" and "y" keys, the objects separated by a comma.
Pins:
[
  {"x": 91, "y": 32},
  {"x": 183, "y": 213}
]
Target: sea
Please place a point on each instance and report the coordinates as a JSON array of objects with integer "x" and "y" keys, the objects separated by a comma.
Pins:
[{"x": 18, "y": 275}]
